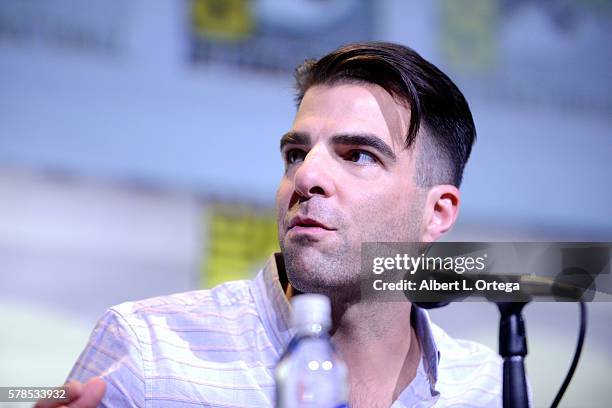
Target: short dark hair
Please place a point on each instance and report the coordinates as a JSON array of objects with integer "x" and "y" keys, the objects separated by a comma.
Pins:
[{"x": 437, "y": 106}]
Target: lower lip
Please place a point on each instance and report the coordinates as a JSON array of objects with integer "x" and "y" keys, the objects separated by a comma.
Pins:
[{"x": 309, "y": 230}]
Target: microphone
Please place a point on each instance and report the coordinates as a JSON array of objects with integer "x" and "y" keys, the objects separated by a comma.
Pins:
[{"x": 498, "y": 288}]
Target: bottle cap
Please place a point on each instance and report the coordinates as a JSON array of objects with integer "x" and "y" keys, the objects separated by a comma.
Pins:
[{"x": 311, "y": 308}]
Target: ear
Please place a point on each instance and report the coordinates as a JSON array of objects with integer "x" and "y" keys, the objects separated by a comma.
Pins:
[{"x": 441, "y": 210}]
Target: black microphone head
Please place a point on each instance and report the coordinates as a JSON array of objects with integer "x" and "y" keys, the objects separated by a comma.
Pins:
[{"x": 431, "y": 305}]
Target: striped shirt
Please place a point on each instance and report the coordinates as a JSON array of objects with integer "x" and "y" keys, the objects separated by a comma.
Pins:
[{"x": 219, "y": 347}]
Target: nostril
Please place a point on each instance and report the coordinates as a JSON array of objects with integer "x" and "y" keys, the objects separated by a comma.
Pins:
[{"x": 316, "y": 190}]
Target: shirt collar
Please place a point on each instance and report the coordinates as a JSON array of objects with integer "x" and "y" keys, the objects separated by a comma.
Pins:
[{"x": 274, "y": 305}]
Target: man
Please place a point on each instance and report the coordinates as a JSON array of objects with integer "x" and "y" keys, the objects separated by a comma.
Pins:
[{"x": 375, "y": 154}]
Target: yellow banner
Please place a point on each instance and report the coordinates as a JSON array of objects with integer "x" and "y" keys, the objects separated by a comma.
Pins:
[{"x": 240, "y": 239}]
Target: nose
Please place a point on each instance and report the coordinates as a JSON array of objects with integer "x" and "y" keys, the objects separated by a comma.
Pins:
[{"x": 314, "y": 175}]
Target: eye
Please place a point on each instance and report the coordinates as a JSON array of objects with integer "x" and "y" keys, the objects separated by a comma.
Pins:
[
  {"x": 361, "y": 157},
  {"x": 294, "y": 155}
]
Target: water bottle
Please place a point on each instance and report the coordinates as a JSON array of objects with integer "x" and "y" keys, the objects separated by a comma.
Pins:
[{"x": 311, "y": 373}]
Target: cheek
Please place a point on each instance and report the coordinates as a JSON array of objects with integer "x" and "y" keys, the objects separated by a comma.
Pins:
[
  {"x": 283, "y": 195},
  {"x": 384, "y": 213},
  {"x": 384, "y": 200}
]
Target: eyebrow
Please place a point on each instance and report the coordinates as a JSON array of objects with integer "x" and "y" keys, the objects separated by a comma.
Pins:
[
  {"x": 359, "y": 139},
  {"x": 365, "y": 139},
  {"x": 297, "y": 138}
]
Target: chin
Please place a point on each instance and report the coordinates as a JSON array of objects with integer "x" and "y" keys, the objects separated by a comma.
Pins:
[{"x": 311, "y": 271}]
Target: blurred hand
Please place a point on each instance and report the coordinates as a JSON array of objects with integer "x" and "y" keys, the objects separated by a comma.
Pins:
[{"x": 79, "y": 395}]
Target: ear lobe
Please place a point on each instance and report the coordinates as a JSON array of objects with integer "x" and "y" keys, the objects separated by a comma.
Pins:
[{"x": 442, "y": 210}]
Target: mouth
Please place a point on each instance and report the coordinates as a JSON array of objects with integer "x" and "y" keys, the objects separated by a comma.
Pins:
[{"x": 302, "y": 224}]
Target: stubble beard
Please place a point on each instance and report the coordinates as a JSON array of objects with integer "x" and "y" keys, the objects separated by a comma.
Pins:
[
  {"x": 336, "y": 271},
  {"x": 330, "y": 271}
]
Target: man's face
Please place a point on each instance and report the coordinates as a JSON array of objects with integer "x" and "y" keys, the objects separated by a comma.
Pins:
[{"x": 348, "y": 179}]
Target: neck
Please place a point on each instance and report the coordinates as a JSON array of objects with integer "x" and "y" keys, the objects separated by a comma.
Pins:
[
  {"x": 377, "y": 342},
  {"x": 379, "y": 347}
]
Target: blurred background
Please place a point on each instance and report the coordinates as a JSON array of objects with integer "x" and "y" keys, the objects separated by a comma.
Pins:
[{"x": 139, "y": 153}]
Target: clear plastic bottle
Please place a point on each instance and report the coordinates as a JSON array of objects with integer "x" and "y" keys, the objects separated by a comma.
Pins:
[{"x": 310, "y": 372}]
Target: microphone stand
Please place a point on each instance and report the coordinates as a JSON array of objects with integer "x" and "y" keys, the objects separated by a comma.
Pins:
[
  {"x": 512, "y": 336},
  {"x": 513, "y": 349}
]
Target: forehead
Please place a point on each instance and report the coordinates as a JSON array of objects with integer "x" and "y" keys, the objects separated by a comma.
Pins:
[{"x": 353, "y": 108}]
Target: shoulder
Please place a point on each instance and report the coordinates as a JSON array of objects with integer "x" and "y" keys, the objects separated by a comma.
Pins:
[
  {"x": 468, "y": 372},
  {"x": 201, "y": 315},
  {"x": 225, "y": 297}
]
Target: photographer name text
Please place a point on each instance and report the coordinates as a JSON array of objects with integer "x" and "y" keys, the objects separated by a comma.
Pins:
[{"x": 455, "y": 286}]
